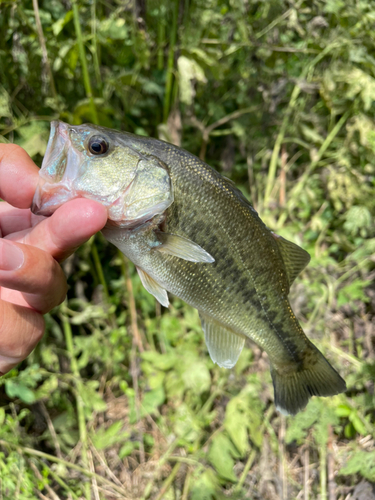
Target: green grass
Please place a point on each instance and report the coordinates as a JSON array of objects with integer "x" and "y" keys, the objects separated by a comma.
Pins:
[{"x": 120, "y": 399}]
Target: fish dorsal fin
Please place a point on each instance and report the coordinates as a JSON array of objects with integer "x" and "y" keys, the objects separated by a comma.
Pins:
[
  {"x": 181, "y": 247},
  {"x": 294, "y": 257},
  {"x": 223, "y": 345},
  {"x": 153, "y": 287}
]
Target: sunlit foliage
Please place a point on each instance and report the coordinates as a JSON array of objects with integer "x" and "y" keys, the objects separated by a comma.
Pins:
[{"x": 277, "y": 95}]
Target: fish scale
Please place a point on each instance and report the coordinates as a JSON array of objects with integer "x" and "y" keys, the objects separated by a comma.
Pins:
[
  {"x": 243, "y": 233},
  {"x": 192, "y": 233}
]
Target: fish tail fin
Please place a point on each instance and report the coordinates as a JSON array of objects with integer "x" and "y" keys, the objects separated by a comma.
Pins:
[{"x": 314, "y": 376}]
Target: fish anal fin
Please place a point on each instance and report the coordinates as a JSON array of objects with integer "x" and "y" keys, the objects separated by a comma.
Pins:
[
  {"x": 182, "y": 247},
  {"x": 294, "y": 257},
  {"x": 224, "y": 345},
  {"x": 153, "y": 287},
  {"x": 294, "y": 387}
]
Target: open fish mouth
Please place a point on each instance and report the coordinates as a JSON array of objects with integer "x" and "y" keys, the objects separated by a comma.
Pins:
[
  {"x": 54, "y": 188},
  {"x": 46, "y": 202}
]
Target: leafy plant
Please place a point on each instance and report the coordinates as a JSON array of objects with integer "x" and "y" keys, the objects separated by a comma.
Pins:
[{"x": 120, "y": 399}]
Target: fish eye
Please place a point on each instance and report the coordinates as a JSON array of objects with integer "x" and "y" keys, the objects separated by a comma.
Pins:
[{"x": 98, "y": 145}]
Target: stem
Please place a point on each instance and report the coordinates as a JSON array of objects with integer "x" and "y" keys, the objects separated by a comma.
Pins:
[
  {"x": 161, "y": 462},
  {"x": 170, "y": 64},
  {"x": 245, "y": 472},
  {"x": 55, "y": 476},
  {"x": 161, "y": 39},
  {"x": 331, "y": 466},
  {"x": 51, "y": 429},
  {"x": 323, "y": 148},
  {"x": 133, "y": 354},
  {"x": 273, "y": 24},
  {"x": 288, "y": 113},
  {"x": 100, "y": 275},
  {"x": 82, "y": 56},
  {"x": 276, "y": 149},
  {"x": 43, "y": 45},
  {"x": 132, "y": 307},
  {"x": 186, "y": 486},
  {"x": 323, "y": 472},
  {"x": 169, "y": 481},
  {"x": 306, "y": 473},
  {"x": 99, "y": 270},
  {"x": 95, "y": 48},
  {"x": 52, "y": 458},
  {"x": 253, "y": 453},
  {"x": 176, "y": 441},
  {"x": 353, "y": 270},
  {"x": 206, "y": 131},
  {"x": 58, "y": 480},
  {"x": 79, "y": 401}
]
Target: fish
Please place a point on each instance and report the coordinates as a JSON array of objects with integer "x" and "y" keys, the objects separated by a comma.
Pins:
[{"x": 191, "y": 233}]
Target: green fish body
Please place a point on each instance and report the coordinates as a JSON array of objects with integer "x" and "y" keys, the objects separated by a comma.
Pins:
[{"x": 191, "y": 232}]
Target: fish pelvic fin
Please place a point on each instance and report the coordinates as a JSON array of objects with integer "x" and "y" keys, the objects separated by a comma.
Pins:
[
  {"x": 223, "y": 344},
  {"x": 294, "y": 385},
  {"x": 153, "y": 287}
]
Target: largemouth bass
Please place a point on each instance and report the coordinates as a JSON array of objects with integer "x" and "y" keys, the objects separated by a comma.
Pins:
[{"x": 191, "y": 232}]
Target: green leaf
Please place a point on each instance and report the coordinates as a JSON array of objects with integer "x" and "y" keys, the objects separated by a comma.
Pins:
[
  {"x": 189, "y": 71},
  {"x": 186, "y": 423},
  {"x": 2, "y": 416},
  {"x": 243, "y": 418},
  {"x": 105, "y": 438},
  {"x": 16, "y": 389},
  {"x": 221, "y": 456},
  {"x": 197, "y": 377},
  {"x": 152, "y": 400},
  {"x": 353, "y": 291},
  {"x": 126, "y": 449},
  {"x": 114, "y": 29},
  {"x": 236, "y": 425},
  {"x": 93, "y": 401},
  {"x": 205, "y": 486},
  {"x": 301, "y": 423},
  {"x": 59, "y": 25},
  {"x": 5, "y": 109},
  {"x": 343, "y": 410},
  {"x": 47, "y": 388},
  {"x": 160, "y": 361},
  {"x": 358, "y": 218},
  {"x": 361, "y": 462},
  {"x": 358, "y": 424}
]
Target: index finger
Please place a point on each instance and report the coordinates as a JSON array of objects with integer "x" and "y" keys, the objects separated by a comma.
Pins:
[
  {"x": 68, "y": 228},
  {"x": 13, "y": 220},
  {"x": 18, "y": 176}
]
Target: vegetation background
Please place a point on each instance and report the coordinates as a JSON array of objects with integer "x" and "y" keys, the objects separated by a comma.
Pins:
[{"x": 120, "y": 399}]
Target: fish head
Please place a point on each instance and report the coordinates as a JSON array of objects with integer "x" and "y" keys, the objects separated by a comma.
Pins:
[{"x": 88, "y": 161}]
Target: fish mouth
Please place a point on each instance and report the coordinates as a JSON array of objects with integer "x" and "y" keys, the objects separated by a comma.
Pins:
[
  {"x": 47, "y": 199},
  {"x": 51, "y": 193}
]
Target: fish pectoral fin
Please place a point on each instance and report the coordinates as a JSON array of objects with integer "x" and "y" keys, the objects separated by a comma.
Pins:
[
  {"x": 295, "y": 258},
  {"x": 181, "y": 247},
  {"x": 223, "y": 344},
  {"x": 153, "y": 287}
]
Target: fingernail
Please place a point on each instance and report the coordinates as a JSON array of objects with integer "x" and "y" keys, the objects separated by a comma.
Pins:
[{"x": 11, "y": 256}]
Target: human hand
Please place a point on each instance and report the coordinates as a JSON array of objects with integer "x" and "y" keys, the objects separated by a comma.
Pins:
[{"x": 31, "y": 280}]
